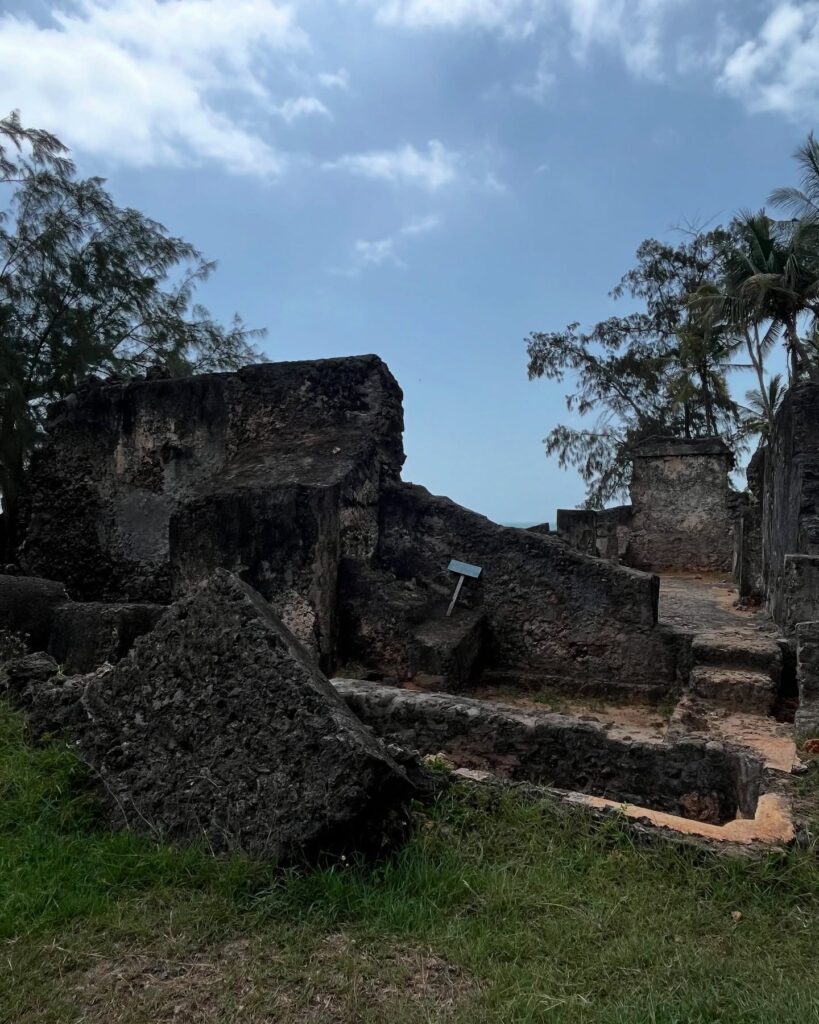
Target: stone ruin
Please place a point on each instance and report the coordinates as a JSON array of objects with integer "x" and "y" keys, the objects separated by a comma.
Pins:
[
  {"x": 288, "y": 474},
  {"x": 222, "y": 544},
  {"x": 681, "y": 513}
]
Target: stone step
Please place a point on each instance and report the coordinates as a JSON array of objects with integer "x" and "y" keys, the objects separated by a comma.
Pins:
[
  {"x": 450, "y": 649},
  {"x": 738, "y": 649},
  {"x": 729, "y": 687}
]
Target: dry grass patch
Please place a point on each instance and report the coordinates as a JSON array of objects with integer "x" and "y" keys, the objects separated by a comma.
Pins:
[{"x": 250, "y": 980}]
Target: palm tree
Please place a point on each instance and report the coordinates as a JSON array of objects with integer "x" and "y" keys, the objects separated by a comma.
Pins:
[
  {"x": 802, "y": 202},
  {"x": 762, "y": 406},
  {"x": 772, "y": 276}
]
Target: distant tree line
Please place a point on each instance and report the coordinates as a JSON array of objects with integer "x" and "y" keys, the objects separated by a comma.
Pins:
[
  {"x": 720, "y": 299},
  {"x": 86, "y": 287}
]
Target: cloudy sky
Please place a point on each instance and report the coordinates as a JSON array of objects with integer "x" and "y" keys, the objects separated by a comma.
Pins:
[{"x": 425, "y": 179}]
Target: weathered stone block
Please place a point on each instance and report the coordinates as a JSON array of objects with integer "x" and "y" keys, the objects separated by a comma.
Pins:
[
  {"x": 27, "y": 606},
  {"x": 679, "y": 497},
  {"x": 219, "y": 726},
  {"x": 123, "y": 458},
  {"x": 84, "y": 635}
]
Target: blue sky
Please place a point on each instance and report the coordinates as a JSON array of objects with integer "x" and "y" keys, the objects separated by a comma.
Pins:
[{"x": 425, "y": 179}]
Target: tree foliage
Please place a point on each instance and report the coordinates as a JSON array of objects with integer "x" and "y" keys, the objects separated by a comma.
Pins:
[
  {"x": 87, "y": 287},
  {"x": 719, "y": 297},
  {"x": 657, "y": 370}
]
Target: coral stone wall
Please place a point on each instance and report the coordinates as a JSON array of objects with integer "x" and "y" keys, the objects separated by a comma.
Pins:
[
  {"x": 271, "y": 471},
  {"x": 681, "y": 518},
  {"x": 790, "y": 509}
]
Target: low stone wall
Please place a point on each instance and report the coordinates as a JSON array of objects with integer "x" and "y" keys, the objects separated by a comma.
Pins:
[
  {"x": 691, "y": 778},
  {"x": 566, "y": 617},
  {"x": 603, "y": 532},
  {"x": 80, "y": 635}
]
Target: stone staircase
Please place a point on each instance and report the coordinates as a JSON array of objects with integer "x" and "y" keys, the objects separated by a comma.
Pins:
[
  {"x": 736, "y": 671},
  {"x": 732, "y": 687}
]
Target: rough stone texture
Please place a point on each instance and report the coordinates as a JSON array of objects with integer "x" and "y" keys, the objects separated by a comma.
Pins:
[
  {"x": 692, "y": 778},
  {"x": 282, "y": 540},
  {"x": 53, "y": 702},
  {"x": 85, "y": 635},
  {"x": 800, "y": 591},
  {"x": 747, "y": 531},
  {"x": 550, "y": 610},
  {"x": 27, "y": 606},
  {"x": 578, "y": 527},
  {"x": 218, "y": 725},
  {"x": 807, "y": 678},
  {"x": 452, "y": 648},
  {"x": 287, "y": 474},
  {"x": 603, "y": 532},
  {"x": 137, "y": 492},
  {"x": 790, "y": 499},
  {"x": 751, "y": 690},
  {"x": 679, "y": 496}
]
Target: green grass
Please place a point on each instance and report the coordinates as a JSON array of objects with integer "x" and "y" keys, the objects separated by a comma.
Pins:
[{"x": 498, "y": 910}]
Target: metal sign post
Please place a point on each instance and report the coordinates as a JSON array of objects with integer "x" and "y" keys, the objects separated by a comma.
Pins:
[{"x": 462, "y": 569}]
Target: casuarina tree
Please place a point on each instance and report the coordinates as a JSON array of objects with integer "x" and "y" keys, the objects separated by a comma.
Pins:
[{"x": 87, "y": 287}]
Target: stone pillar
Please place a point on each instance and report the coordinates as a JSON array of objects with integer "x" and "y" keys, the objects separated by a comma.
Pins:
[{"x": 679, "y": 493}]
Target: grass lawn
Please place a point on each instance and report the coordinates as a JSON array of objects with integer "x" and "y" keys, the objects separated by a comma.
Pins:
[{"x": 497, "y": 910}]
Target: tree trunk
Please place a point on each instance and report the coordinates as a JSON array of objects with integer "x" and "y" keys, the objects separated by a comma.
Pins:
[
  {"x": 757, "y": 360},
  {"x": 799, "y": 354},
  {"x": 707, "y": 400}
]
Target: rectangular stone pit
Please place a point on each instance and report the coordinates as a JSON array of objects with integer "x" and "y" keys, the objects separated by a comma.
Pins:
[{"x": 708, "y": 785}]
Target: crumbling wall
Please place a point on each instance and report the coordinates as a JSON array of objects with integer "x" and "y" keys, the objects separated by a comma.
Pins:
[
  {"x": 552, "y": 613},
  {"x": 272, "y": 472},
  {"x": 747, "y": 531},
  {"x": 288, "y": 475},
  {"x": 695, "y": 778},
  {"x": 790, "y": 509},
  {"x": 603, "y": 532},
  {"x": 679, "y": 495}
]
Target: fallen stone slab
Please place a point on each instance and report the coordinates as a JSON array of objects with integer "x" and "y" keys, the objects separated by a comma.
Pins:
[{"x": 218, "y": 725}]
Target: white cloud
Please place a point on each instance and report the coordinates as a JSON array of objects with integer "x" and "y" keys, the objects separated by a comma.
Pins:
[
  {"x": 301, "y": 106},
  {"x": 142, "y": 81},
  {"x": 635, "y": 28},
  {"x": 387, "y": 251},
  {"x": 778, "y": 69},
  {"x": 541, "y": 84},
  {"x": 405, "y": 165},
  {"x": 512, "y": 16},
  {"x": 334, "y": 79},
  {"x": 375, "y": 253},
  {"x": 421, "y": 225}
]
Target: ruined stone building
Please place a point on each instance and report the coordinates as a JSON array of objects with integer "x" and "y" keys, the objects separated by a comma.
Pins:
[
  {"x": 200, "y": 554},
  {"x": 681, "y": 512},
  {"x": 289, "y": 474}
]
